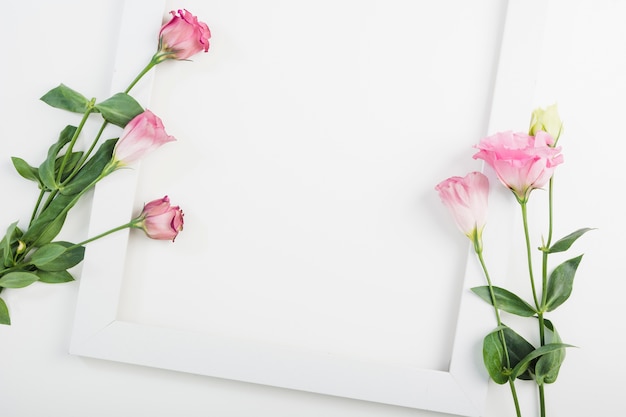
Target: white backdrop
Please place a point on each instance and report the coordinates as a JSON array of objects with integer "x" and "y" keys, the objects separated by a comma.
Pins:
[{"x": 585, "y": 71}]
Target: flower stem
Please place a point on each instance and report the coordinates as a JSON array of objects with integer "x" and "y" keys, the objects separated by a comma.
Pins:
[
  {"x": 529, "y": 254},
  {"x": 36, "y": 208},
  {"x": 74, "y": 138},
  {"x": 478, "y": 249},
  {"x": 143, "y": 72},
  {"x": 101, "y": 235}
]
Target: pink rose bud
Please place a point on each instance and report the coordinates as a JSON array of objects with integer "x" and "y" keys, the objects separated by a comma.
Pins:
[
  {"x": 160, "y": 220},
  {"x": 182, "y": 37},
  {"x": 521, "y": 162},
  {"x": 141, "y": 135},
  {"x": 467, "y": 199}
]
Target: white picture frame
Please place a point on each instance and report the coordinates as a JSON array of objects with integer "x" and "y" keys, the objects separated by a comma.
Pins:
[{"x": 102, "y": 329}]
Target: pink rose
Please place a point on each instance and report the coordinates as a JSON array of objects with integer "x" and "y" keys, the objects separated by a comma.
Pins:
[
  {"x": 144, "y": 133},
  {"x": 182, "y": 37},
  {"x": 467, "y": 198},
  {"x": 521, "y": 162},
  {"x": 160, "y": 220}
]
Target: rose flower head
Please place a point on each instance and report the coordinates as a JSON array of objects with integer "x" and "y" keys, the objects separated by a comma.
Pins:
[
  {"x": 160, "y": 220},
  {"x": 467, "y": 200},
  {"x": 521, "y": 162},
  {"x": 144, "y": 133},
  {"x": 182, "y": 37}
]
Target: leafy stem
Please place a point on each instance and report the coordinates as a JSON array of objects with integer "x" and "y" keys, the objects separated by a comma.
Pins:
[
  {"x": 479, "y": 252},
  {"x": 90, "y": 108}
]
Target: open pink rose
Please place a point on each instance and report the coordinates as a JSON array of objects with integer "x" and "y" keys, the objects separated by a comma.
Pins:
[
  {"x": 144, "y": 133},
  {"x": 160, "y": 220},
  {"x": 182, "y": 37},
  {"x": 467, "y": 199},
  {"x": 521, "y": 162}
]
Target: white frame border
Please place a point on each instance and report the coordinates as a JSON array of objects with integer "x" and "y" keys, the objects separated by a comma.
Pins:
[{"x": 462, "y": 390}]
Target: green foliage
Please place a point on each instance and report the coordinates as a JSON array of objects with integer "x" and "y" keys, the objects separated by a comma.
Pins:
[
  {"x": 560, "y": 283},
  {"x": 565, "y": 243},
  {"x": 8, "y": 243},
  {"x": 27, "y": 171},
  {"x": 57, "y": 256},
  {"x": 18, "y": 279},
  {"x": 47, "y": 171},
  {"x": 91, "y": 170},
  {"x": 54, "y": 277},
  {"x": 548, "y": 365},
  {"x": 500, "y": 360},
  {"x": 119, "y": 109},
  {"x": 506, "y": 301},
  {"x": 63, "y": 97},
  {"x": 523, "y": 365},
  {"x": 4, "y": 313}
]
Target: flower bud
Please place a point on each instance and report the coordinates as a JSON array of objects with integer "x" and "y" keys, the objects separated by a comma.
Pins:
[
  {"x": 160, "y": 220},
  {"x": 547, "y": 120},
  {"x": 467, "y": 199},
  {"x": 182, "y": 37},
  {"x": 144, "y": 133}
]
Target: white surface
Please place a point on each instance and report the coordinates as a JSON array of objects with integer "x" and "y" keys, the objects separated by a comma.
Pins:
[
  {"x": 585, "y": 72},
  {"x": 312, "y": 248}
]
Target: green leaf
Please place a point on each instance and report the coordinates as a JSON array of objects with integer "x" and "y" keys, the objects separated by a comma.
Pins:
[
  {"x": 54, "y": 277},
  {"x": 548, "y": 366},
  {"x": 18, "y": 279},
  {"x": 119, "y": 109},
  {"x": 506, "y": 300},
  {"x": 560, "y": 283},
  {"x": 71, "y": 163},
  {"x": 26, "y": 171},
  {"x": 91, "y": 170},
  {"x": 565, "y": 243},
  {"x": 524, "y": 363},
  {"x": 495, "y": 356},
  {"x": 57, "y": 257},
  {"x": 4, "y": 313},
  {"x": 6, "y": 244},
  {"x": 63, "y": 97},
  {"x": 49, "y": 222},
  {"x": 47, "y": 170}
]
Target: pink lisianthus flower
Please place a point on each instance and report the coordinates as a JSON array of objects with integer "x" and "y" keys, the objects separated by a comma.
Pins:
[
  {"x": 467, "y": 199},
  {"x": 182, "y": 37},
  {"x": 521, "y": 162},
  {"x": 143, "y": 134},
  {"x": 160, "y": 220}
]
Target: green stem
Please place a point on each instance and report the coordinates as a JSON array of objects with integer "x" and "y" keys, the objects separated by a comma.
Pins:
[
  {"x": 143, "y": 72},
  {"x": 478, "y": 249},
  {"x": 74, "y": 138},
  {"x": 518, "y": 411},
  {"x": 86, "y": 155},
  {"x": 529, "y": 254},
  {"x": 49, "y": 199},
  {"x": 544, "y": 286},
  {"x": 34, "y": 214},
  {"x": 108, "y": 232}
]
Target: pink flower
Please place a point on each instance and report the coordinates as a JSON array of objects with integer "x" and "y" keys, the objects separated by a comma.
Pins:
[
  {"x": 467, "y": 198},
  {"x": 182, "y": 37},
  {"x": 141, "y": 135},
  {"x": 160, "y": 220},
  {"x": 521, "y": 162}
]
